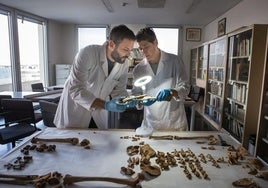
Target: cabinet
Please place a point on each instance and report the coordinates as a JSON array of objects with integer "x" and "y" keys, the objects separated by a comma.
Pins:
[
  {"x": 202, "y": 66},
  {"x": 62, "y": 73},
  {"x": 262, "y": 135},
  {"x": 194, "y": 58},
  {"x": 245, "y": 65},
  {"x": 215, "y": 81}
]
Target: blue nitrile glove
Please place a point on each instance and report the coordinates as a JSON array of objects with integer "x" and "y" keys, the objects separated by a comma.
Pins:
[
  {"x": 148, "y": 102},
  {"x": 164, "y": 95},
  {"x": 114, "y": 106}
]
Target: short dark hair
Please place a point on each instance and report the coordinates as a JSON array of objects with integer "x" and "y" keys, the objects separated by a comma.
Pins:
[
  {"x": 121, "y": 32},
  {"x": 147, "y": 34}
]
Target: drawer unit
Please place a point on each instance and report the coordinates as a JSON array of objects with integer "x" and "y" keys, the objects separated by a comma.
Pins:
[{"x": 62, "y": 73}]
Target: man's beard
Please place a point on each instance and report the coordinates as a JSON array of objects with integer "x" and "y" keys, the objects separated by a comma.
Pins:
[{"x": 117, "y": 58}]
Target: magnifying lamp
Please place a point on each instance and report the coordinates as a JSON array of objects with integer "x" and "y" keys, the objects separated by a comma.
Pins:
[{"x": 141, "y": 78}]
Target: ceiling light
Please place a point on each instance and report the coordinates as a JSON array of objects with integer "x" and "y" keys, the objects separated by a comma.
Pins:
[{"x": 108, "y": 5}]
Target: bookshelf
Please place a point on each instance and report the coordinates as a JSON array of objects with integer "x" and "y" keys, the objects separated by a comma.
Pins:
[
  {"x": 215, "y": 81},
  {"x": 245, "y": 64},
  {"x": 262, "y": 135},
  {"x": 201, "y": 75}
]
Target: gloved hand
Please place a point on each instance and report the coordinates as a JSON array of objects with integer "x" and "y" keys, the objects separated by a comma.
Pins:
[
  {"x": 164, "y": 95},
  {"x": 148, "y": 102},
  {"x": 115, "y": 106},
  {"x": 131, "y": 103}
]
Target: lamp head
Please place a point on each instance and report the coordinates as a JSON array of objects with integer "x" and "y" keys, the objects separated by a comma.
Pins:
[
  {"x": 142, "y": 81},
  {"x": 141, "y": 74}
]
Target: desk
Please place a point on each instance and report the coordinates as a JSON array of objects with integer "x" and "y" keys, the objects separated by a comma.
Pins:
[
  {"x": 18, "y": 94},
  {"x": 108, "y": 154},
  {"x": 52, "y": 96},
  {"x": 35, "y": 96}
]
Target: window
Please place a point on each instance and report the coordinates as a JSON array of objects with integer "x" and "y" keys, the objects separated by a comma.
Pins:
[
  {"x": 23, "y": 50},
  {"x": 31, "y": 53},
  {"x": 168, "y": 39},
  {"x": 5, "y": 61},
  {"x": 91, "y": 35}
]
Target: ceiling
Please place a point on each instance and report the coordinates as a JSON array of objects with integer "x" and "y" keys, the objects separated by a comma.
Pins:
[{"x": 171, "y": 12}]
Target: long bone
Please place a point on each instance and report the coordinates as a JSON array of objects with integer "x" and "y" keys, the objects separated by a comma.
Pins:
[
  {"x": 73, "y": 141},
  {"x": 23, "y": 179},
  {"x": 165, "y": 137},
  {"x": 193, "y": 137},
  {"x": 133, "y": 182}
]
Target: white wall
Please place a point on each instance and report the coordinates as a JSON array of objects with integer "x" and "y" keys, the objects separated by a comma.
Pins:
[{"x": 246, "y": 13}]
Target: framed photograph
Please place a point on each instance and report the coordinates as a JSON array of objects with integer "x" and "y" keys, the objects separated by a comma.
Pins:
[
  {"x": 193, "y": 34},
  {"x": 221, "y": 27}
]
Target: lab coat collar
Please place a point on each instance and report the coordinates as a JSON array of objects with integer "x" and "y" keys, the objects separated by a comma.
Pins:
[{"x": 161, "y": 61}]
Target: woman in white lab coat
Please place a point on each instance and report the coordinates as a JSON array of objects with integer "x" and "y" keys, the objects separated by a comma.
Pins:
[
  {"x": 169, "y": 84},
  {"x": 98, "y": 74}
]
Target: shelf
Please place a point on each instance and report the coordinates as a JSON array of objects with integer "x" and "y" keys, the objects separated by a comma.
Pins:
[
  {"x": 237, "y": 81},
  {"x": 218, "y": 96},
  {"x": 213, "y": 80},
  {"x": 236, "y": 101}
]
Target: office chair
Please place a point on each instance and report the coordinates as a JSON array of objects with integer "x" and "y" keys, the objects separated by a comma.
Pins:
[
  {"x": 20, "y": 120},
  {"x": 3, "y": 97},
  {"x": 37, "y": 87},
  {"x": 48, "y": 110},
  {"x": 196, "y": 92},
  {"x": 20, "y": 110}
]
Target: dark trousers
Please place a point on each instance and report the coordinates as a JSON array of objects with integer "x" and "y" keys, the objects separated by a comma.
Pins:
[{"x": 92, "y": 124}]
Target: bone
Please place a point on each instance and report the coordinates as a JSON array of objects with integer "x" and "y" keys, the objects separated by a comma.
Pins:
[
  {"x": 21, "y": 177},
  {"x": 133, "y": 182},
  {"x": 73, "y": 141},
  {"x": 192, "y": 137},
  {"x": 165, "y": 137}
]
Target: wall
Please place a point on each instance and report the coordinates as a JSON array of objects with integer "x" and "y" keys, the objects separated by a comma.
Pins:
[
  {"x": 61, "y": 46},
  {"x": 246, "y": 13}
]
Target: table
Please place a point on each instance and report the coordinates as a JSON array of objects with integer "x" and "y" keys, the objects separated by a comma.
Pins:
[
  {"x": 18, "y": 94},
  {"x": 53, "y": 95},
  {"x": 108, "y": 154}
]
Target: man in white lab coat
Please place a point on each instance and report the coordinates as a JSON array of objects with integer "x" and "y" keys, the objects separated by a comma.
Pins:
[
  {"x": 98, "y": 74},
  {"x": 169, "y": 84}
]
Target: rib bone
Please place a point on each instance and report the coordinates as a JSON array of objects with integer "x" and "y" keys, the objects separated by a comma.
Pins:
[
  {"x": 73, "y": 141},
  {"x": 68, "y": 179}
]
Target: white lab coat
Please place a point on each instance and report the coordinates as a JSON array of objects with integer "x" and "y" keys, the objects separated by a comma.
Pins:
[
  {"x": 170, "y": 74},
  {"x": 87, "y": 81}
]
